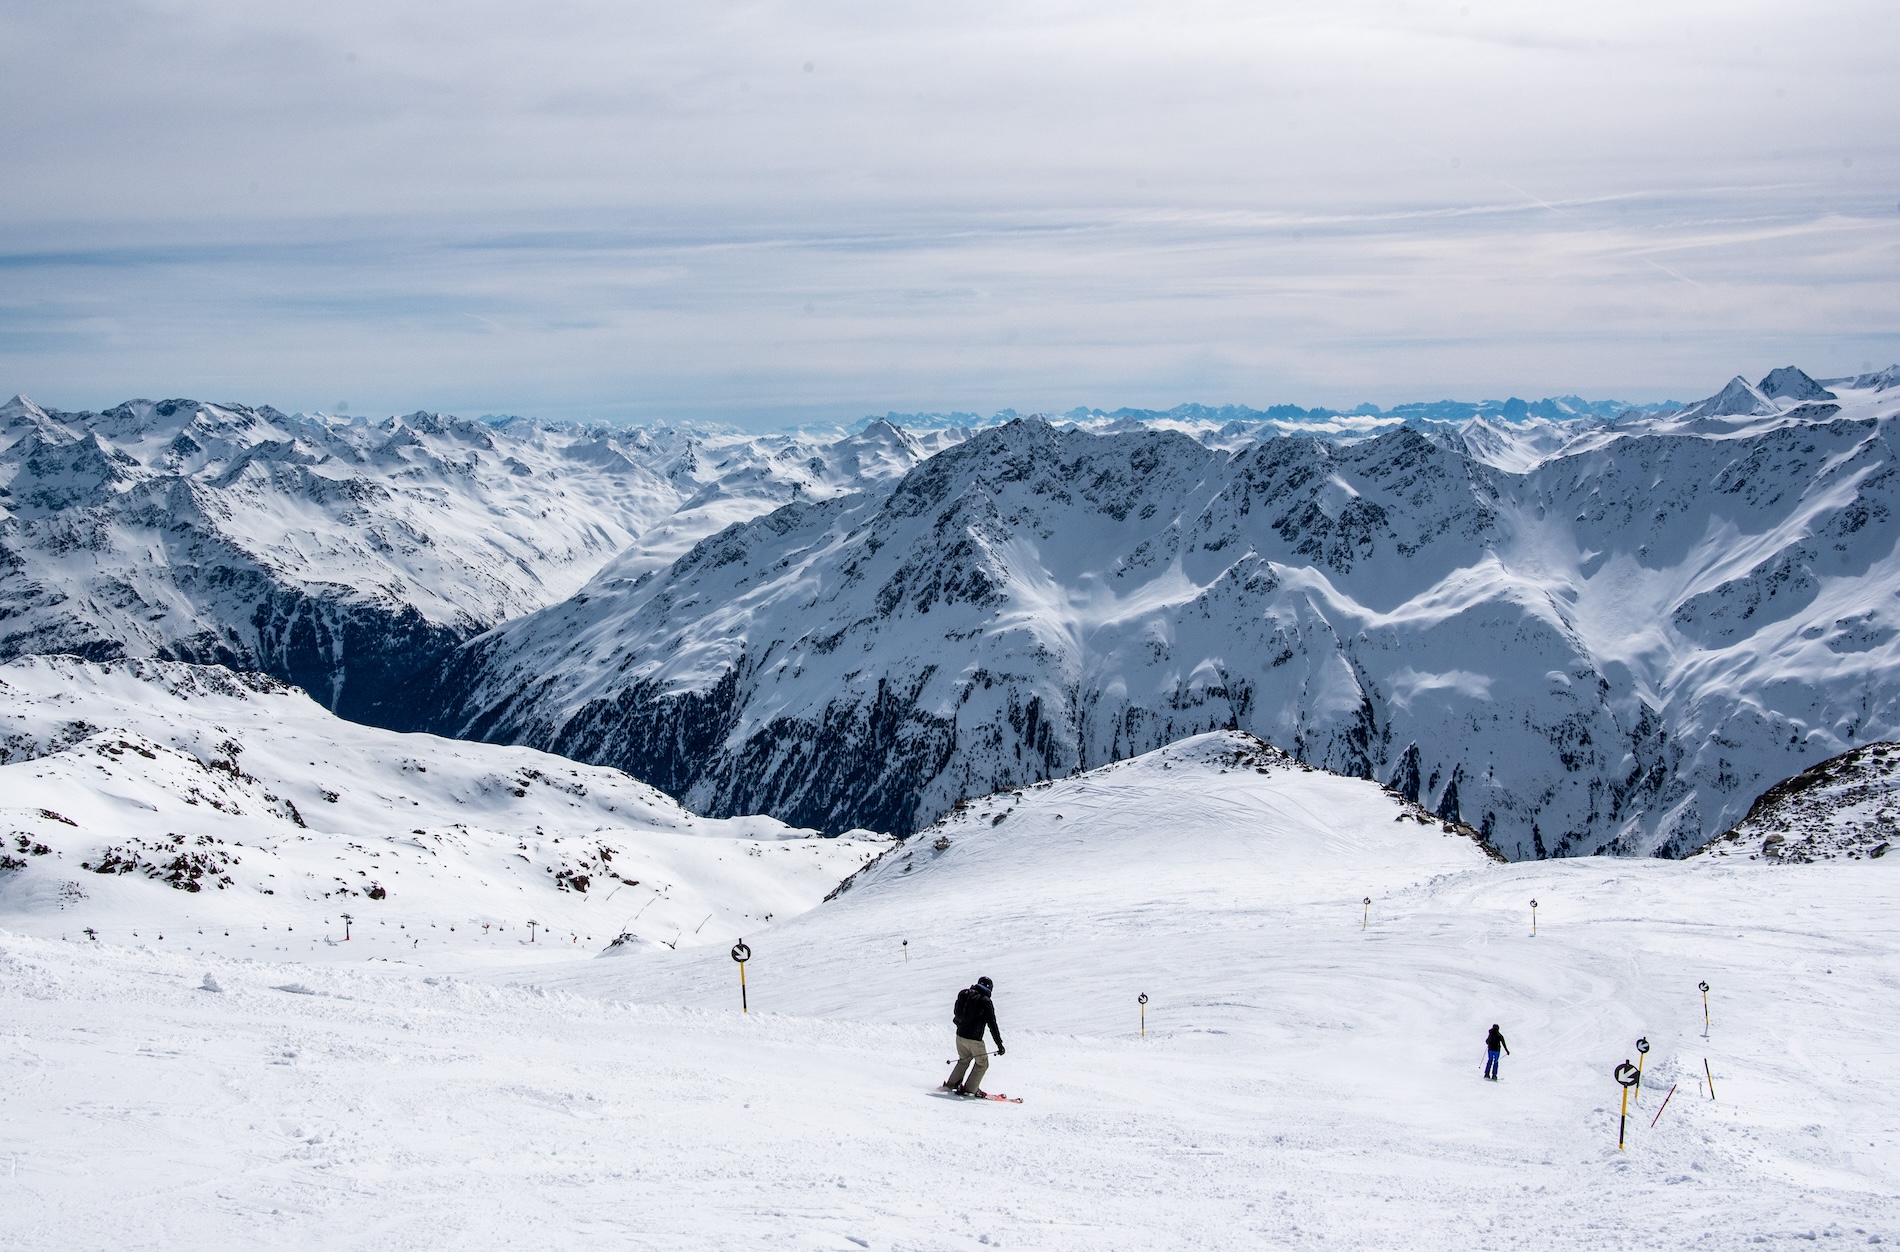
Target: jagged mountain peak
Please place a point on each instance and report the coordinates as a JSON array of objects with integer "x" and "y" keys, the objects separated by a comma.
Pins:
[
  {"x": 1880, "y": 380},
  {"x": 21, "y": 406},
  {"x": 1790, "y": 383},
  {"x": 1740, "y": 398}
]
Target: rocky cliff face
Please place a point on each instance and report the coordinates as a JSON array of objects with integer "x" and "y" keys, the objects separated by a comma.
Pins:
[
  {"x": 1605, "y": 638},
  {"x": 352, "y": 557},
  {"x": 1845, "y": 808}
]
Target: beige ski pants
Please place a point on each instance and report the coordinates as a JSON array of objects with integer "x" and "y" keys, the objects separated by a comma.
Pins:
[{"x": 973, "y": 1057}]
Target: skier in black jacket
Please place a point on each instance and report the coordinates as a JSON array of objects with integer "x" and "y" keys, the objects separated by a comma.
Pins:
[
  {"x": 1493, "y": 1042},
  {"x": 974, "y": 1012}
]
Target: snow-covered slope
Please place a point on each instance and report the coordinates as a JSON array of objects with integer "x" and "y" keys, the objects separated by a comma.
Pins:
[
  {"x": 149, "y": 798},
  {"x": 1616, "y": 648},
  {"x": 348, "y": 556},
  {"x": 1845, "y": 807},
  {"x": 1309, "y": 1076},
  {"x": 1210, "y": 834}
]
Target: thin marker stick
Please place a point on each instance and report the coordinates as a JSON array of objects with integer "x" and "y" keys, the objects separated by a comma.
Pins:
[{"x": 1665, "y": 1104}]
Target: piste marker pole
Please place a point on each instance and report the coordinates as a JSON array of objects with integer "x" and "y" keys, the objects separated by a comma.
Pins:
[
  {"x": 1710, "y": 1075},
  {"x": 1704, "y": 984},
  {"x": 1626, "y": 1075},
  {"x": 742, "y": 954},
  {"x": 1367, "y": 918},
  {"x": 1642, "y": 1054},
  {"x": 1533, "y": 919},
  {"x": 1142, "y": 1000}
]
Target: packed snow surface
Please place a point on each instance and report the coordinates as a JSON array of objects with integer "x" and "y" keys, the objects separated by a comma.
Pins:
[
  {"x": 1309, "y": 1075},
  {"x": 149, "y": 798}
]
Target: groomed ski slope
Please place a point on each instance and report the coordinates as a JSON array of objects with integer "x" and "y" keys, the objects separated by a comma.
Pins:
[{"x": 1304, "y": 1083}]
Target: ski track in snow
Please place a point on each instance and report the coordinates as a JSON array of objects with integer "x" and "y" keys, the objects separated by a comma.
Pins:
[{"x": 1304, "y": 1082}]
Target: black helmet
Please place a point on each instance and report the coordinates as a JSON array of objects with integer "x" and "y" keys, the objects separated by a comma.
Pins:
[{"x": 986, "y": 984}]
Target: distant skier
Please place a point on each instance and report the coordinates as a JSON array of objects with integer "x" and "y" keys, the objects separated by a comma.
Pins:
[
  {"x": 1493, "y": 1042},
  {"x": 974, "y": 1011}
]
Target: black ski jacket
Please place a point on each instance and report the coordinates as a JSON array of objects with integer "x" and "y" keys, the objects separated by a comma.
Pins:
[
  {"x": 974, "y": 1011},
  {"x": 1495, "y": 1040}
]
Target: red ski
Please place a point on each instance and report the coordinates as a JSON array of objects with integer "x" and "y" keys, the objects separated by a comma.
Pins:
[{"x": 987, "y": 1095}]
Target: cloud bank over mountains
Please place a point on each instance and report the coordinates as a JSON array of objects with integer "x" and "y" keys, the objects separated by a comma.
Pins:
[{"x": 775, "y": 215}]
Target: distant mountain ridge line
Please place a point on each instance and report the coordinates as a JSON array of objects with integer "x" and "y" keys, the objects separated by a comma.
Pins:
[
  {"x": 1550, "y": 408},
  {"x": 736, "y": 617},
  {"x": 1423, "y": 607}
]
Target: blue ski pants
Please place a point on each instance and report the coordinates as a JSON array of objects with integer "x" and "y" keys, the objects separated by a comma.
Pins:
[{"x": 1491, "y": 1064}]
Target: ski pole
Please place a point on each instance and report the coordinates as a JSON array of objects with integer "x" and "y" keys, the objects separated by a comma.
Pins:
[
  {"x": 1665, "y": 1104},
  {"x": 1642, "y": 1054},
  {"x": 742, "y": 954},
  {"x": 1626, "y": 1075},
  {"x": 1711, "y": 1077},
  {"x": 1142, "y": 1000}
]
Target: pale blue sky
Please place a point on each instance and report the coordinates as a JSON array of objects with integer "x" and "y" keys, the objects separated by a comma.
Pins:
[{"x": 765, "y": 213}]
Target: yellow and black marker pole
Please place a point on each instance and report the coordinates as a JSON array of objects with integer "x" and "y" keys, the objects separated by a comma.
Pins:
[
  {"x": 1533, "y": 919},
  {"x": 1367, "y": 918},
  {"x": 907, "y": 952},
  {"x": 1626, "y": 1075},
  {"x": 1710, "y": 1075},
  {"x": 742, "y": 954},
  {"x": 1142, "y": 1000},
  {"x": 1705, "y": 1007},
  {"x": 1642, "y": 1054}
]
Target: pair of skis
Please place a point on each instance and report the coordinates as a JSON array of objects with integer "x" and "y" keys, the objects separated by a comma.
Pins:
[{"x": 987, "y": 1095}]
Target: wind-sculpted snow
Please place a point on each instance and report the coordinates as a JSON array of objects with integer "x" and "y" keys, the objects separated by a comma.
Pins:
[
  {"x": 346, "y": 556},
  {"x": 1614, "y": 649}
]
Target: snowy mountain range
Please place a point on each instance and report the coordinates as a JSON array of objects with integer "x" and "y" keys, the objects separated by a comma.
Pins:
[
  {"x": 1576, "y": 626},
  {"x": 349, "y": 557},
  {"x": 1578, "y": 637}
]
